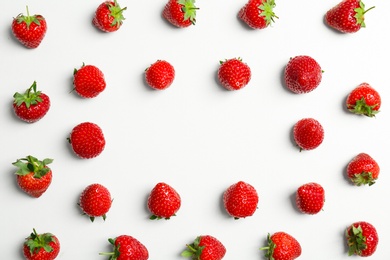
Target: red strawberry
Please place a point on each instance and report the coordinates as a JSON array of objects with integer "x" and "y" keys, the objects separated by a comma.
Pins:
[
  {"x": 29, "y": 30},
  {"x": 234, "y": 74},
  {"x": 362, "y": 239},
  {"x": 108, "y": 16},
  {"x": 95, "y": 201},
  {"x": 180, "y": 13},
  {"x": 163, "y": 201},
  {"x": 205, "y": 248},
  {"x": 240, "y": 200},
  {"x": 87, "y": 140},
  {"x": 310, "y": 198},
  {"x": 32, "y": 105},
  {"x": 258, "y": 14},
  {"x": 88, "y": 81},
  {"x": 363, "y": 169},
  {"x": 364, "y": 100},
  {"x": 160, "y": 75},
  {"x": 127, "y": 248},
  {"x": 302, "y": 74},
  {"x": 282, "y": 246},
  {"x": 347, "y": 16},
  {"x": 308, "y": 133},
  {"x": 44, "y": 246},
  {"x": 33, "y": 176}
]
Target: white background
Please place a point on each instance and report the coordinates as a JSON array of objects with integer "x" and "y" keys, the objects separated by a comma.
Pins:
[{"x": 195, "y": 136}]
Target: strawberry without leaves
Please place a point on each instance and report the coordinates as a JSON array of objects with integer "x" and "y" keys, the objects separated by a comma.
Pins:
[
  {"x": 258, "y": 14},
  {"x": 160, "y": 75},
  {"x": 88, "y": 81},
  {"x": 44, "y": 246},
  {"x": 205, "y": 248},
  {"x": 363, "y": 170},
  {"x": 240, "y": 200},
  {"x": 109, "y": 16},
  {"x": 180, "y": 13},
  {"x": 362, "y": 239},
  {"x": 308, "y": 134},
  {"x": 163, "y": 201},
  {"x": 95, "y": 201},
  {"x": 310, "y": 198},
  {"x": 127, "y": 248},
  {"x": 234, "y": 74}
]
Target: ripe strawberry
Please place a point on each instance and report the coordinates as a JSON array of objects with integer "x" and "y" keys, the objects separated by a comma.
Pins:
[
  {"x": 180, "y": 13},
  {"x": 362, "y": 239},
  {"x": 347, "y": 16},
  {"x": 32, "y": 105},
  {"x": 364, "y": 100},
  {"x": 109, "y": 16},
  {"x": 234, "y": 74},
  {"x": 95, "y": 201},
  {"x": 258, "y": 14},
  {"x": 363, "y": 169},
  {"x": 127, "y": 248},
  {"x": 205, "y": 248},
  {"x": 302, "y": 74},
  {"x": 240, "y": 200},
  {"x": 308, "y": 133},
  {"x": 44, "y": 246},
  {"x": 87, "y": 140},
  {"x": 33, "y": 176},
  {"x": 88, "y": 81},
  {"x": 29, "y": 30},
  {"x": 310, "y": 198},
  {"x": 282, "y": 246},
  {"x": 163, "y": 201},
  {"x": 160, "y": 75}
]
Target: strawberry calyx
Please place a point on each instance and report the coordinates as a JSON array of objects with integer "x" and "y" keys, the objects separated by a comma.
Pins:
[
  {"x": 189, "y": 10},
  {"x": 31, "y": 164},
  {"x": 356, "y": 240},
  {"x": 116, "y": 12},
  {"x": 359, "y": 15},
  {"x": 29, "y": 19},
  {"x": 35, "y": 242},
  {"x": 193, "y": 250},
  {"x": 363, "y": 178},
  {"x": 155, "y": 217},
  {"x": 361, "y": 108},
  {"x": 115, "y": 253},
  {"x": 270, "y": 248},
  {"x": 267, "y": 11},
  {"x": 30, "y": 97}
]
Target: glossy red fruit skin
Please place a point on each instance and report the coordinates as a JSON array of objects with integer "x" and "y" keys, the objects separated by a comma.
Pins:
[
  {"x": 35, "y": 187},
  {"x": 89, "y": 81},
  {"x": 163, "y": 201},
  {"x": 370, "y": 236},
  {"x": 363, "y": 169},
  {"x": 287, "y": 247},
  {"x": 107, "y": 21},
  {"x": 173, "y": 13},
  {"x": 87, "y": 140},
  {"x": 42, "y": 254},
  {"x": 371, "y": 104},
  {"x": 233, "y": 74},
  {"x": 30, "y": 36},
  {"x": 302, "y": 74},
  {"x": 160, "y": 75},
  {"x": 130, "y": 248},
  {"x": 251, "y": 14},
  {"x": 310, "y": 198},
  {"x": 240, "y": 200},
  {"x": 308, "y": 133},
  {"x": 95, "y": 200},
  {"x": 213, "y": 248},
  {"x": 35, "y": 112}
]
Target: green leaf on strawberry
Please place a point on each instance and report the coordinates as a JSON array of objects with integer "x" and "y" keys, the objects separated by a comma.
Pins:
[
  {"x": 28, "y": 19},
  {"x": 30, "y": 97},
  {"x": 32, "y": 164},
  {"x": 267, "y": 11},
  {"x": 360, "y": 11},
  {"x": 189, "y": 9},
  {"x": 36, "y": 242}
]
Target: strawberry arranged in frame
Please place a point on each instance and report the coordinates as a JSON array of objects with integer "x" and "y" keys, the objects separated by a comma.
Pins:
[
  {"x": 32, "y": 105},
  {"x": 88, "y": 81},
  {"x": 108, "y": 16},
  {"x": 347, "y": 16},
  {"x": 240, "y": 200},
  {"x": 29, "y": 30},
  {"x": 308, "y": 134},
  {"x": 258, "y": 14},
  {"x": 362, "y": 239},
  {"x": 234, "y": 74},
  {"x": 282, "y": 246},
  {"x": 180, "y": 13},
  {"x": 363, "y": 170},
  {"x": 127, "y": 248},
  {"x": 205, "y": 248},
  {"x": 310, "y": 198},
  {"x": 95, "y": 201},
  {"x": 33, "y": 176},
  {"x": 364, "y": 100},
  {"x": 160, "y": 75},
  {"x": 163, "y": 201},
  {"x": 44, "y": 246}
]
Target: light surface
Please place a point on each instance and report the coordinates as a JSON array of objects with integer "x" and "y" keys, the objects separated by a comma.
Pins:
[{"x": 195, "y": 136}]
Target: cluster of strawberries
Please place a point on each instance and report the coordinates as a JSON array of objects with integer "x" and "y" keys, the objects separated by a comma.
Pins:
[{"x": 302, "y": 75}]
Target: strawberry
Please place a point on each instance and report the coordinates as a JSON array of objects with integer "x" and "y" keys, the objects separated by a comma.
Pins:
[
  {"x": 127, "y": 248},
  {"x": 87, "y": 140},
  {"x": 363, "y": 169},
  {"x": 29, "y": 30},
  {"x": 44, "y": 246},
  {"x": 362, "y": 239},
  {"x": 163, "y": 201},
  {"x": 308, "y": 134},
  {"x": 180, "y": 13},
  {"x": 240, "y": 200},
  {"x": 302, "y": 74},
  {"x": 310, "y": 198},
  {"x": 258, "y": 14},
  {"x": 160, "y": 75},
  {"x": 234, "y": 74},
  {"x": 95, "y": 201},
  {"x": 205, "y": 248},
  {"x": 347, "y": 16},
  {"x": 364, "y": 100},
  {"x": 88, "y": 81},
  {"x": 32, "y": 105},
  {"x": 108, "y": 16},
  {"x": 282, "y": 246},
  {"x": 33, "y": 176}
]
